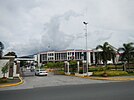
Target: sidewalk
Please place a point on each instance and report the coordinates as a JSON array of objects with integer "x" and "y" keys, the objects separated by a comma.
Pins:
[{"x": 14, "y": 82}]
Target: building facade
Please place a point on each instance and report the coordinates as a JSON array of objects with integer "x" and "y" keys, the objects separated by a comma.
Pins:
[
  {"x": 67, "y": 55},
  {"x": 13, "y": 68}
]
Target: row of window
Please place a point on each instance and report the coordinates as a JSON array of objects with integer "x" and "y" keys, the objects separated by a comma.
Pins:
[
  {"x": 69, "y": 53},
  {"x": 50, "y": 54},
  {"x": 61, "y": 56}
]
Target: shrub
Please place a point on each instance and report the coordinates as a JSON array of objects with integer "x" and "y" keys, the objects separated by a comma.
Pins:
[
  {"x": 50, "y": 65},
  {"x": 93, "y": 69},
  {"x": 98, "y": 73},
  {"x": 115, "y": 67},
  {"x": 81, "y": 71},
  {"x": 97, "y": 69},
  {"x": 109, "y": 67},
  {"x": 116, "y": 73},
  {"x": 110, "y": 73}
]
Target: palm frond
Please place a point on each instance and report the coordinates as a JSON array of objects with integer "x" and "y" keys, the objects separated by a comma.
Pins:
[
  {"x": 99, "y": 47},
  {"x": 121, "y": 49}
]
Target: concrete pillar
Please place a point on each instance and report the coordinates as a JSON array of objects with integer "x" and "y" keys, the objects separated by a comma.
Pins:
[
  {"x": 68, "y": 72},
  {"x": 65, "y": 67},
  {"x": 89, "y": 57},
  {"x": 15, "y": 70},
  {"x": 78, "y": 66},
  {"x": 93, "y": 57},
  {"x": 83, "y": 63},
  {"x": 18, "y": 67},
  {"x": 38, "y": 57}
]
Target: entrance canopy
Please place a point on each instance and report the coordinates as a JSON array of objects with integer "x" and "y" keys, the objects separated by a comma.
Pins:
[{"x": 25, "y": 58}]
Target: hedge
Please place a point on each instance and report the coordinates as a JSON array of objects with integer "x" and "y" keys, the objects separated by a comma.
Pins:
[
  {"x": 110, "y": 73},
  {"x": 97, "y": 69}
]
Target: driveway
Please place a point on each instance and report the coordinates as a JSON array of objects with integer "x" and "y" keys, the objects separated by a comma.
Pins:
[{"x": 31, "y": 81}]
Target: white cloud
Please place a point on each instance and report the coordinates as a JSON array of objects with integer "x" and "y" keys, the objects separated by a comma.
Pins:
[{"x": 29, "y": 26}]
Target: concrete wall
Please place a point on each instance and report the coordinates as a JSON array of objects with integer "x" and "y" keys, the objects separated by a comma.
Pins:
[
  {"x": 15, "y": 74},
  {"x": 12, "y": 67}
]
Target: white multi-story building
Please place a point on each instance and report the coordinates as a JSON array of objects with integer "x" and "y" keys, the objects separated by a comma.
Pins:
[{"x": 67, "y": 55}]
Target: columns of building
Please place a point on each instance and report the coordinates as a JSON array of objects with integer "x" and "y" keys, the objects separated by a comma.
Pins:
[
  {"x": 38, "y": 60},
  {"x": 93, "y": 57}
]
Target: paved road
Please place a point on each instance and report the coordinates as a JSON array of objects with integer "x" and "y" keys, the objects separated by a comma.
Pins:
[
  {"x": 105, "y": 91},
  {"x": 31, "y": 81}
]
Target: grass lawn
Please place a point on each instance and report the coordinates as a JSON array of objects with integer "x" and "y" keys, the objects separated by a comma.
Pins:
[{"x": 6, "y": 81}]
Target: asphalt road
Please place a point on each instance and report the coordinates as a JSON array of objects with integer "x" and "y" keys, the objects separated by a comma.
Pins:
[
  {"x": 31, "y": 81},
  {"x": 102, "y": 91}
]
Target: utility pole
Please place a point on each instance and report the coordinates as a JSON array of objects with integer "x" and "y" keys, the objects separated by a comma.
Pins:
[{"x": 85, "y": 23}]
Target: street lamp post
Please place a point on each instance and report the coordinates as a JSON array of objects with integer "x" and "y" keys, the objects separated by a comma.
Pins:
[{"x": 85, "y": 23}]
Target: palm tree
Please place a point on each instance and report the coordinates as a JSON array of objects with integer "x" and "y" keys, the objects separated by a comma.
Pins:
[
  {"x": 127, "y": 50},
  {"x": 107, "y": 53},
  {"x": 1, "y": 49}
]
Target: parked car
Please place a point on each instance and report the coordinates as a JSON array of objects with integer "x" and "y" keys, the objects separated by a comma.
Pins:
[{"x": 41, "y": 72}]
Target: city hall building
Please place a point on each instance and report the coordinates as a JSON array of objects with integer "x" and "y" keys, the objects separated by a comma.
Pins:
[{"x": 67, "y": 55}]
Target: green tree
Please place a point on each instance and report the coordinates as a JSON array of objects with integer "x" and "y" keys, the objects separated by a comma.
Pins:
[
  {"x": 57, "y": 65},
  {"x": 1, "y": 49},
  {"x": 4, "y": 70},
  {"x": 50, "y": 65},
  {"x": 127, "y": 51},
  {"x": 73, "y": 65},
  {"x": 60, "y": 65},
  {"x": 107, "y": 53}
]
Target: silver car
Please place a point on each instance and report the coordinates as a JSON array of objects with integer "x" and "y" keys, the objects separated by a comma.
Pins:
[{"x": 41, "y": 72}]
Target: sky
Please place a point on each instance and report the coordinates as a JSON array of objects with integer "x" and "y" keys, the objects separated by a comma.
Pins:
[{"x": 31, "y": 26}]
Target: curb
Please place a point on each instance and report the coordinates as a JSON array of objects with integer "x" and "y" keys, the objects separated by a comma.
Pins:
[
  {"x": 14, "y": 84},
  {"x": 112, "y": 79},
  {"x": 105, "y": 78}
]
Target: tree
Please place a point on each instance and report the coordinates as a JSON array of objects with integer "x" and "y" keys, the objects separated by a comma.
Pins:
[
  {"x": 73, "y": 65},
  {"x": 1, "y": 49},
  {"x": 11, "y": 54},
  {"x": 59, "y": 65},
  {"x": 50, "y": 65},
  {"x": 107, "y": 53},
  {"x": 4, "y": 70},
  {"x": 127, "y": 50}
]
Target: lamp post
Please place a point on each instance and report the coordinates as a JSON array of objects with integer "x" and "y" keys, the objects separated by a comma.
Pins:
[{"x": 85, "y": 23}]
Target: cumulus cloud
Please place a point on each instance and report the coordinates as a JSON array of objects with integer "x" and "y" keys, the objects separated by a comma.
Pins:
[
  {"x": 30, "y": 26},
  {"x": 53, "y": 37}
]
